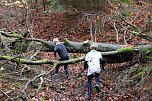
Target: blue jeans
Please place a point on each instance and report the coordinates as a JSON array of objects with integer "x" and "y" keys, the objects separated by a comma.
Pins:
[{"x": 89, "y": 86}]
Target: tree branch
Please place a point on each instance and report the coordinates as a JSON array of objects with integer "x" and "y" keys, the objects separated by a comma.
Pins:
[
  {"x": 118, "y": 56},
  {"x": 6, "y": 94},
  {"x": 139, "y": 34}
]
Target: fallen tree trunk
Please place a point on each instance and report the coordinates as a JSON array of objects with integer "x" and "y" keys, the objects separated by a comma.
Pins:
[
  {"x": 119, "y": 56},
  {"x": 112, "y": 53},
  {"x": 72, "y": 47}
]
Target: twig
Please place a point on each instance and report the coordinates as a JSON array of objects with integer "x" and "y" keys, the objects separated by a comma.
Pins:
[
  {"x": 23, "y": 91},
  {"x": 33, "y": 56},
  {"x": 117, "y": 34},
  {"x": 140, "y": 34},
  {"x": 114, "y": 7},
  {"x": 128, "y": 26},
  {"x": 42, "y": 80},
  {"x": 91, "y": 25},
  {"x": 6, "y": 22},
  {"x": 13, "y": 73},
  {"x": 95, "y": 32},
  {"x": 30, "y": 81},
  {"x": 6, "y": 94}
]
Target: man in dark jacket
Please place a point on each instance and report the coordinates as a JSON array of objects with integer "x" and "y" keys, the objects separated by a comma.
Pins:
[{"x": 63, "y": 54}]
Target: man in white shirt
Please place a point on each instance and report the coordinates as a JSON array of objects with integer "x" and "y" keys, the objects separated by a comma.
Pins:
[{"x": 92, "y": 62}]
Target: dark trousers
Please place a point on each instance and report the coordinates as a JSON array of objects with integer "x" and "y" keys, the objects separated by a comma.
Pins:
[
  {"x": 65, "y": 66},
  {"x": 89, "y": 86}
]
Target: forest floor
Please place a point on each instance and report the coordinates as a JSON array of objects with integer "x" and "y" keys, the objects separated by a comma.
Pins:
[
  {"x": 112, "y": 82},
  {"x": 113, "y": 88}
]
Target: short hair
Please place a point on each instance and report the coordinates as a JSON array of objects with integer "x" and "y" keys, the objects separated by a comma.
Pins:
[
  {"x": 94, "y": 46},
  {"x": 55, "y": 40}
]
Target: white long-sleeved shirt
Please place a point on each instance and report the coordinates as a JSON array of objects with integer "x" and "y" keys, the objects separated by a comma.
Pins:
[{"x": 93, "y": 60}]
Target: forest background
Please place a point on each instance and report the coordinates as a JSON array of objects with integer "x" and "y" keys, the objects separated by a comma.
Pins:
[{"x": 118, "y": 22}]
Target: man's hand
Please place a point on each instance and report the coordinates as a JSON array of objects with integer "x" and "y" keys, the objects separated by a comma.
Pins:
[
  {"x": 103, "y": 63},
  {"x": 85, "y": 65},
  {"x": 102, "y": 70}
]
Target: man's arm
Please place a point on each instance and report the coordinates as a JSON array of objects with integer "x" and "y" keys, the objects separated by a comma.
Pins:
[
  {"x": 103, "y": 63},
  {"x": 85, "y": 65}
]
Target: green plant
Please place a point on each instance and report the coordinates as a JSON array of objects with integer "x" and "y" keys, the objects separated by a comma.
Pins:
[{"x": 55, "y": 5}]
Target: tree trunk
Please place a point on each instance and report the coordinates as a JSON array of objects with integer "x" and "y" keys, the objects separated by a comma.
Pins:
[
  {"x": 112, "y": 53},
  {"x": 119, "y": 56},
  {"x": 72, "y": 47}
]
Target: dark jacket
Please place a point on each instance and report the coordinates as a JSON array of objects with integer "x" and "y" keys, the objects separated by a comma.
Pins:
[{"x": 61, "y": 50}]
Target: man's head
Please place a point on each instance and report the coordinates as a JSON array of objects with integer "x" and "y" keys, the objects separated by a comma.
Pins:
[
  {"x": 93, "y": 46},
  {"x": 55, "y": 40}
]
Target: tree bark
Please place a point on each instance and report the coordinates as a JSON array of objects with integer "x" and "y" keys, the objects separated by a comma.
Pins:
[
  {"x": 72, "y": 47},
  {"x": 112, "y": 53},
  {"x": 119, "y": 56}
]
